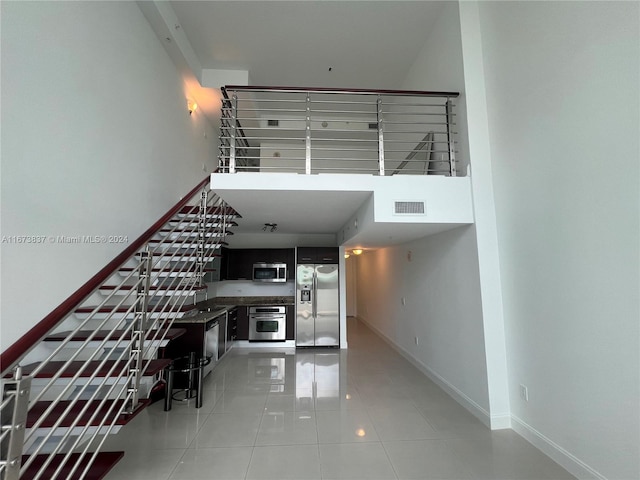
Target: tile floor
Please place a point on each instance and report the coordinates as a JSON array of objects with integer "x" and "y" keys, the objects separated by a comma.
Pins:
[{"x": 365, "y": 413}]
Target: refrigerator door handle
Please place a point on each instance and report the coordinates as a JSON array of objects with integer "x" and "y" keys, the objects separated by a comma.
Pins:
[{"x": 314, "y": 312}]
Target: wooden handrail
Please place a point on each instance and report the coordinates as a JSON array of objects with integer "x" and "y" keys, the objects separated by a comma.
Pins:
[
  {"x": 30, "y": 339},
  {"x": 362, "y": 91}
]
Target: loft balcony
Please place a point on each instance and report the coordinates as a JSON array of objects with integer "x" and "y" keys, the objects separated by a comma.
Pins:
[
  {"x": 372, "y": 167},
  {"x": 313, "y": 131}
]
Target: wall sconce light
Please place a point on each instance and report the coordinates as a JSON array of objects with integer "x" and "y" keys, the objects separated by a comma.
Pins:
[
  {"x": 357, "y": 251},
  {"x": 191, "y": 105},
  {"x": 346, "y": 255}
]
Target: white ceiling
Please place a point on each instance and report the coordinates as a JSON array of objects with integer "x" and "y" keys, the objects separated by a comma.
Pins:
[
  {"x": 294, "y": 211},
  {"x": 367, "y": 44},
  {"x": 329, "y": 43}
]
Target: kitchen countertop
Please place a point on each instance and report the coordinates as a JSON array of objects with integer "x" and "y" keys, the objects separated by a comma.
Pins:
[
  {"x": 246, "y": 301},
  {"x": 209, "y": 309},
  {"x": 200, "y": 316}
]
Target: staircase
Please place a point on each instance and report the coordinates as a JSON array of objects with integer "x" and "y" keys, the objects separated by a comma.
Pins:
[{"x": 93, "y": 363}]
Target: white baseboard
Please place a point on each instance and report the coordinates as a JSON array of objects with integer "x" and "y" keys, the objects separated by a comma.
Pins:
[
  {"x": 565, "y": 459},
  {"x": 495, "y": 422}
]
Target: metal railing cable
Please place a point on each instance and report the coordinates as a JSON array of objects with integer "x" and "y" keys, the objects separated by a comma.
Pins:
[
  {"x": 93, "y": 375},
  {"x": 20, "y": 348},
  {"x": 314, "y": 130}
]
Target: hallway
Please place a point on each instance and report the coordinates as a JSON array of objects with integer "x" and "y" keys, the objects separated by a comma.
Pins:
[{"x": 362, "y": 413}]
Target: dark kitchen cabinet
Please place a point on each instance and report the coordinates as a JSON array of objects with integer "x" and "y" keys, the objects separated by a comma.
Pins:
[
  {"x": 318, "y": 254},
  {"x": 223, "y": 273},
  {"x": 243, "y": 323},
  {"x": 222, "y": 335},
  {"x": 239, "y": 263},
  {"x": 291, "y": 322},
  {"x": 232, "y": 326}
]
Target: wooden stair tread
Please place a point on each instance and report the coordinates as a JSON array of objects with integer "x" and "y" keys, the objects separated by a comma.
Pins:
[
  {"x": 103, "y": 463},
  {"x": 160, "y": 270},
  {"x": 194, "y": 209},
  {"x": 103, "y": 417},
  {"x": 53, "y": 367},
  {"x": 192, "y": 233},
  {"x": 193, "y": 239},
  {"x": 152, "y": 309},
  {"x": 152, "y": 287},
  {"x": 180, "y": 230},
  {"x": 100, "y": 335},
  {"x": 184, "y": 253}
]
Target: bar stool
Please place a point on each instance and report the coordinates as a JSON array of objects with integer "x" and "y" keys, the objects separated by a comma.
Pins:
[{"x": 193, "y": 367}]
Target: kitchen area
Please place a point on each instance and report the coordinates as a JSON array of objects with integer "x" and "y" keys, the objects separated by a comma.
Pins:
[{"x": 263, "y": 298}]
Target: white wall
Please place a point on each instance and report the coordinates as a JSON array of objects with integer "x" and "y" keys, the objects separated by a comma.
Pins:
[
  {"x": 563, "y": 104},
  {"x": 287, "y": 157},
  {"x": 351, "y": 286},
  {"x": 440, "y": 283},
  {"x": 438, "y": 67},
  {"x": 436, "y": 279},
  {"x": 96, "y": 140}
]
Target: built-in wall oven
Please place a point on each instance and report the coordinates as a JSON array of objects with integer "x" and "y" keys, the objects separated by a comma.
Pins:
[{"x": 267, "y": 323}]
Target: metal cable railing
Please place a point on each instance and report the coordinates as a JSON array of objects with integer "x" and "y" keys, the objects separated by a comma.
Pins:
[
  {"x": 59, "y": 407},
  {"x": 316, "y": 130}
]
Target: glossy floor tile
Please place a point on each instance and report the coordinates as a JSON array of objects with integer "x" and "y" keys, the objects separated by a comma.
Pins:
[{"x": 363, "y": 413}]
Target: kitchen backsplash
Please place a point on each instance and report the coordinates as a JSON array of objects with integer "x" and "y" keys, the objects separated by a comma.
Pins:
[{"x": 247, "y": 288}]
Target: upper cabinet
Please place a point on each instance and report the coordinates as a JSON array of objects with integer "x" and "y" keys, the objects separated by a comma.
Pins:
[{"x": 318, "y": 255}]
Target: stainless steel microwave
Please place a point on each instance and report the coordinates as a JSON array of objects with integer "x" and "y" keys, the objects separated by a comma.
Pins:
[{"x": 270, "y": 272}]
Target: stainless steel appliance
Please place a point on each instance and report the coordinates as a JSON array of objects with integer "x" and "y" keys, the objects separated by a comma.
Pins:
[
  {"x": 267, "y": 323},
  {"x": 211, "y": 343},
  {"x": 317, "y": 306},
  {"x": 270, "y": 272}
]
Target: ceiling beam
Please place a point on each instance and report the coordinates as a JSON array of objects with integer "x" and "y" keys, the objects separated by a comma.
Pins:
[
  {"x": 216, "y": 78},
  {"x": 165, "y": 24}
]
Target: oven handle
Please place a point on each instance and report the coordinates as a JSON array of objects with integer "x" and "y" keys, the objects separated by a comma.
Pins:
[{"x": 272, "y": 317}]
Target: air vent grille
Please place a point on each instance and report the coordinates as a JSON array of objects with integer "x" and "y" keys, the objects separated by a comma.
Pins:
[
  {"x": 273, "y": 123},
  {"x": 409, "y": 208}
]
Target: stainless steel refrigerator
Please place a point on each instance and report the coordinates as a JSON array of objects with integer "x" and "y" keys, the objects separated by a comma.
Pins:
[{"x": 317, "y": 306}]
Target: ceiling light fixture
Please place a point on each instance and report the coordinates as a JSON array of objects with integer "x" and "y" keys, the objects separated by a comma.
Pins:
[
  {"x": 272, "y": 227},
  {"x": 357, "y": 251}
]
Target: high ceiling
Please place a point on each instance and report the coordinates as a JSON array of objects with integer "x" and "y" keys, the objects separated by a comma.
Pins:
[
  {"x": 358, "y": 44},
  {"x": 329, "y": 43}
]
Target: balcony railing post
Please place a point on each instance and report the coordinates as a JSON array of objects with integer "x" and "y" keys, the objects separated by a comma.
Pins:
[
  {"x": 307, "y": 140},
  {"x": 234, "y": 127},
  {"x": 15, "y": 393},
  {"x": 380, "y": 136},
  {"x": 223, "y": 205},
  {"x": 202, "y": 224},
  {"x": 223, "y": 147},
  {"x": 450, "y": 140},
  {"x": 140, "y": 326}
]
